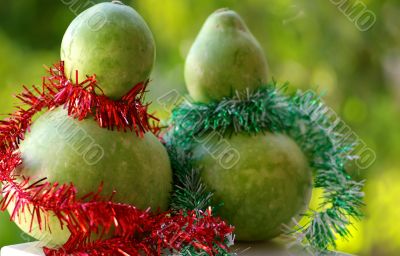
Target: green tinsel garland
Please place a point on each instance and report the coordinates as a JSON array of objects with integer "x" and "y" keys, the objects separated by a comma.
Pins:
[
  {"x": 190, "y": 193},
  {"x": 269, "y": 109}
]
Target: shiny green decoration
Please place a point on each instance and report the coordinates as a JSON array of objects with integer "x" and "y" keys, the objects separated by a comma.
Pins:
[
  {"x": 189, "y": 192},
  {"x": 270, "y": 109}
]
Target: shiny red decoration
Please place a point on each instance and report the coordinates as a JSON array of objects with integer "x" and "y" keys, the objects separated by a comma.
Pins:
[{"x": 122, "y": 229}]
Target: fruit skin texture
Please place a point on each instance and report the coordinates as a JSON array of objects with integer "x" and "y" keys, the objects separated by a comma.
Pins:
[
  {"x": 138, "y": 169},
  {"x": 270, "y": 184},
  {"x": 225, "y": 57},
  {"x": 112, "y": 41}
]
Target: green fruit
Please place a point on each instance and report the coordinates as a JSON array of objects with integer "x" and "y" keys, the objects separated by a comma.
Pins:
[
  {"x": 263, "y": 181},
  {"x": 66, "y": 150},
  {"x": 112, "y": 41},
  {"x": 224, "y": 58}
]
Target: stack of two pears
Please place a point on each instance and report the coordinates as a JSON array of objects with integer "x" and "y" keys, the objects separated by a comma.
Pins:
[
  {"x": 271, "y": 181},
  {"x": 119, "y": 48}
]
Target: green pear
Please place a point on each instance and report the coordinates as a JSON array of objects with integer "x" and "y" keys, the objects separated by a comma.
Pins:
[
  {"x": 112, "y": 41},
  {"x": 64, "y": 150},
  {"x": 263, "y": 181},
  {"x": 224, "y": 58}
]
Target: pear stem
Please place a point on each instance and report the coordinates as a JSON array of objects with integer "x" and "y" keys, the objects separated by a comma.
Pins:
[
  {"x": 117, "y": 2},
  {"x": 222, "y": 10}
]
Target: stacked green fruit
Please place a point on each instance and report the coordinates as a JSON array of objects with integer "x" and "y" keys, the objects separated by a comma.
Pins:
[
  {"x": 224, "y": 58},
  {"x": 119, "y": 49},
  {"x": 269, "y": 181},
  {"x": 112, "y": 41}
]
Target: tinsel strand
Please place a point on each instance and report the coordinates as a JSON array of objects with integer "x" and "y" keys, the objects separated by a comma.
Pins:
[
  {"x": 133, "y": 231},
  {"x": 269, "y": 109}
]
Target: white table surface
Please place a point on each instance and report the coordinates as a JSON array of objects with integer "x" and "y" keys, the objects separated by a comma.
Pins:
[
  {"x": 263, "y": 249},
  {"x": 27, "y": 249}
]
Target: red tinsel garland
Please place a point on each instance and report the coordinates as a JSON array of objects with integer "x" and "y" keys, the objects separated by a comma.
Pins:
[{"x": 133, "y": 231}]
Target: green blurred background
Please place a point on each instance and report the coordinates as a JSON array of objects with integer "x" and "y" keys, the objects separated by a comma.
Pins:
[{"x": 311, "y": 44}]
